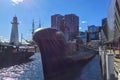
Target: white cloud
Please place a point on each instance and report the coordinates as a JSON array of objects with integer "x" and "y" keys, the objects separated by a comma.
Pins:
[
  {"x": 80, "y": 27},
  {"x": 84, "y": 22},
  {"x": 16, "y": 1},
  {"x": 20, "y": 22}
]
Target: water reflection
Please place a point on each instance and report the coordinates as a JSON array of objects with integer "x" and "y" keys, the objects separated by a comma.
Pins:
[
  {"x": 31, "y": 70},
  {"x": 92, "y": 70}
]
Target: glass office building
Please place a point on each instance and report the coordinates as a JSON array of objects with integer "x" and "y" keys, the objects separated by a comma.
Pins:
[{"x": 114, "y": 21}]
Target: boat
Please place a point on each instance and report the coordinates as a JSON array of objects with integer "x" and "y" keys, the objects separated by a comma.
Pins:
[
  {"x": 10, "y": 54},
  {"x": 56, "y": 59}
]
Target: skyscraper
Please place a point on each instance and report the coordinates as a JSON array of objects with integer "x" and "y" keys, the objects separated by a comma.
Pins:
[
  {"x": 68, "y": 24},
  {"x": 71, "y": 21},
  {"x": 105, "y": 27},
  {"x": 56, "y": 21},
  {"x": 14, "y": 39}
]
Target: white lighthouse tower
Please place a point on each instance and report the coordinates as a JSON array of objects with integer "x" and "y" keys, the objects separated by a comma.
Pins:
[{"x": 14, "y": 39}]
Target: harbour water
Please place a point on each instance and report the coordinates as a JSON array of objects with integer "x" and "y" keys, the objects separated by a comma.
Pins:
[{"x": 32, "y": 70}]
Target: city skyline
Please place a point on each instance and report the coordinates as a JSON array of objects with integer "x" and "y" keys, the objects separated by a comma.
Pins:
[{"x": 90, "y": 13}]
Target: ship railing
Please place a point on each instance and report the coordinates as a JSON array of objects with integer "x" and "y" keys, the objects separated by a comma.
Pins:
[{"x": 27, "y": 49}]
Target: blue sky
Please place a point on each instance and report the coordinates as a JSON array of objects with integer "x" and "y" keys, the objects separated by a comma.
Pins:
[{"x": 89, "y": 11}]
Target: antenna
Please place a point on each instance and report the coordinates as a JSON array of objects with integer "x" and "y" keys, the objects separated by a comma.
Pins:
[
  {"x": 39, "y": 23},
  {"x": 33, "y": 27}
]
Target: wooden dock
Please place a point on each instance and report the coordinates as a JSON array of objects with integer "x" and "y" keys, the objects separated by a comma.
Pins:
[{"x": 110, "y": 64}]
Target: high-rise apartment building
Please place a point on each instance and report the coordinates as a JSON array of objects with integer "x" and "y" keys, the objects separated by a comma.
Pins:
[
  {"x": 68, "y": 24},
  {"x": 56, "y": 21},
  {"x": 71, "y": 21},
  {"x": 105, "y": 27}
]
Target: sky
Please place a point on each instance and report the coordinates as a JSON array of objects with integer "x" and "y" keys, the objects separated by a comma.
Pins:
[{"x": 90, "y": 12}]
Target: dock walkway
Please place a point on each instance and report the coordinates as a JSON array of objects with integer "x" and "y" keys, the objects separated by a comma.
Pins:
[{"x": 110, "y": 64}]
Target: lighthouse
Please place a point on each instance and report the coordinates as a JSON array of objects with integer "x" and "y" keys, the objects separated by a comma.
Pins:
[{"x": 14, "y": 38}]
